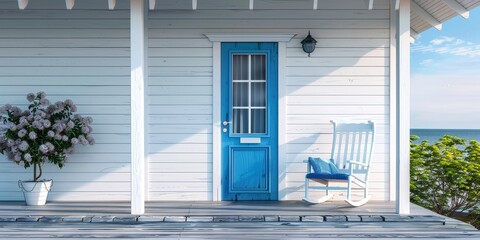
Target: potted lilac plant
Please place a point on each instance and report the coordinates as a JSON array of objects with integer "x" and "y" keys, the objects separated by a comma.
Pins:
[{"x": 44, "y": 133}]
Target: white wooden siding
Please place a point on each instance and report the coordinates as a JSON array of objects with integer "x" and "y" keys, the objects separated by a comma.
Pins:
[
  {"x": 82, "y": 55},
  {"x": 347, "y": 77}
]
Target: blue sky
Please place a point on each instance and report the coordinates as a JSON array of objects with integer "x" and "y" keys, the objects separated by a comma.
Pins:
[{"x": 445, "y": 75}]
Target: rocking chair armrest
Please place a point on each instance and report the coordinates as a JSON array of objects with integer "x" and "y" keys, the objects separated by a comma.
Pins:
[
  {"x": 309, "y": 166},
  {"x": 357, "y": 163}
]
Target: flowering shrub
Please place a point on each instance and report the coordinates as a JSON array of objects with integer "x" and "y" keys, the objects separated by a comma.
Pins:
[{"x": 44, "y": 132}]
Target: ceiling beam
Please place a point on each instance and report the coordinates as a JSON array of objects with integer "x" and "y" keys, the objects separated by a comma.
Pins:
[
  {"x": 194, "y": 4},
  {"x": 69, "y": 4},
  {"x": 458, "y": 8},
  {"x": 22, "y": 4},
  {"x": 111, "y": 4},
  {"x": 151, "y": 4},
  {"x": 315, "y": 4},
  {"x": 414, "y": 34},
  {"x": 370, "y": 4},
  {"x": 426, "y": 16},
  {"x": 250, "y": 5}
]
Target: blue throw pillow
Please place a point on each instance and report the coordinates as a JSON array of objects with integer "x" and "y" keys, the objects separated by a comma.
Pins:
[
  {"x": 333, "y": 167},
  {"x": 319, "y": 166}
]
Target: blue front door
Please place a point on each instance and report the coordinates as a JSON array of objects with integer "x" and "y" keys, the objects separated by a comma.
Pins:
[{"x": 249, "y": 121}]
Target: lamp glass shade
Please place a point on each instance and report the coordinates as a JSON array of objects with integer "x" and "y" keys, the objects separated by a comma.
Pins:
[{"x": 308, "y": 44}]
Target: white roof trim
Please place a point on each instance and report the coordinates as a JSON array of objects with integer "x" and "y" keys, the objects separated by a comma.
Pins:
[
  {"x": 151, "y": 4},
  {"x": 426, "y": 16},
  {"x": 69, "y": 4},
  {"x": 194, "y": 4},
  {"x": 249, "y": 37},
  {"x": 458, "y": 8},
  {"x": 111, "y": 4},
  {"x": 22, "y": 4},
  {"x": 370, "y": 5}
]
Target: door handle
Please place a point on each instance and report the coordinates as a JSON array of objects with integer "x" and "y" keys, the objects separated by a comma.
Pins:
[{"x": 226, "y": 122}]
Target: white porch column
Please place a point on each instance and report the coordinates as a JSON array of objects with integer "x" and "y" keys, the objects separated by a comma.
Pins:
[
  {"x": 403, "y": 108},
  {"x": 137, "y": 49}
]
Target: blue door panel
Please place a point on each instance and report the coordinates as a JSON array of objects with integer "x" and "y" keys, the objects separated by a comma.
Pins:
[
  {"x": 250, "y": 133},
  {"x": 249, "y": 171}
]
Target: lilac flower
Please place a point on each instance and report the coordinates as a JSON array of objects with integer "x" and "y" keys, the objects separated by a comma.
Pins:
[
  {"x": 44, "y": 102},
  {"x": 58, "y": 127},
  {"x": 43, "y": 148},
  {"x": 27, "y": 157},
  {"x": 23, "y": 146},
  {"x": 21, "y": 163},
  {"x": 16, "y": 111},
  {"x": 32, "y": 135},
  {"x": 74, "y": 141},
  {"x": 50, "y": 146},
  {"x": 47, "y": 123},
  {"x": 13, "y": 127},
  {"x": 14, "y": 149},
  {"x": 85, "y": 130},
  {"x": 41, "y": 94},
  {"x": 59, "y": 106},
  {"x": 83, "y": 140},
  {"x": 68, "y": 102},
  {"x": 65, "y": 138},
  {"x": 26, "y": 113},
  {"x": 70, "y": 125},
  {"x": 22, "y": 133},
  {"x": 58, "y": 137},
  {"x": 23, "y": 120},
  {"x": 50, "y": 134},
  {"x": 30, "y": 97},
  {"x": 10, "y": 143},
  {"x": 17, "y": 157},
  {"x": 73, "y": 108}
]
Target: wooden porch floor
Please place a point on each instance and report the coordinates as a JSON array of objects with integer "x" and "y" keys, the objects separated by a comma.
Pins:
[
  {"x": 298, "y": 208},
  {"x": 225, "y": 220}
]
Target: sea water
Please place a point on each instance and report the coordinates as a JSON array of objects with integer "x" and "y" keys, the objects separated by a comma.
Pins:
[{"x": 433, "y": 135}]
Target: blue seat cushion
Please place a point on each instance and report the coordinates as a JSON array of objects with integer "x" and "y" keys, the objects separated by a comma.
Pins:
[
  {"x": 321, "y": 166},
  {"x": 328, "y": 176}
]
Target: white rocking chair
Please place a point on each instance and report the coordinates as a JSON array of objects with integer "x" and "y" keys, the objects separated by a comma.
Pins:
[{"x": 349, "y": 163}]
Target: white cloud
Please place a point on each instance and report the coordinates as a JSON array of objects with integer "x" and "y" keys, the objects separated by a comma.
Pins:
[
  {"x": 444, "y": 39},
  {"x": 449, "y": 45},
  {"x": 426, "y": 62}
]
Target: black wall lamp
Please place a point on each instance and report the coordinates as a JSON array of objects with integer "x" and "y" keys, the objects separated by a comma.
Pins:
[{"x": 308, "y": 44}]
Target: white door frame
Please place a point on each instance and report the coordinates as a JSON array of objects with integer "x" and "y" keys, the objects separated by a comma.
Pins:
[{"x": 217, "y": 39}]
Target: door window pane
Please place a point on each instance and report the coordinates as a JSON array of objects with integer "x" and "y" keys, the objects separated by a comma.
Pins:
[
  {"x": 258, "y": 67},
  {"x": 258, "y": 121},
  {"x": 240, "y": 120},
  {"x": 258, "y": 94},
  {"x": 240, "y": 94},
  {"x": 240, "y": 67}
]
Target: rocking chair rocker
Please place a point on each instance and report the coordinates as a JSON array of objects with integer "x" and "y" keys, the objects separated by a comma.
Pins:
[{"x": 349, "y": 162}]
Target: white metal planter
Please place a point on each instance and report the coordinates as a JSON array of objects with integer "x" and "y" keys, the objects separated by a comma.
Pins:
[{"x": 35, "y": 193}]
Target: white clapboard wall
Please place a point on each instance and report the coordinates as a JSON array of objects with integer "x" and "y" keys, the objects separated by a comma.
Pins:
[
  {"x": 82, "y": 55},
  {"x": 347, "y": 77}
]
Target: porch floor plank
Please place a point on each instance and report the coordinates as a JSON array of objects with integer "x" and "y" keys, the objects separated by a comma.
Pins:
[{"x": 196, "y": 220}]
